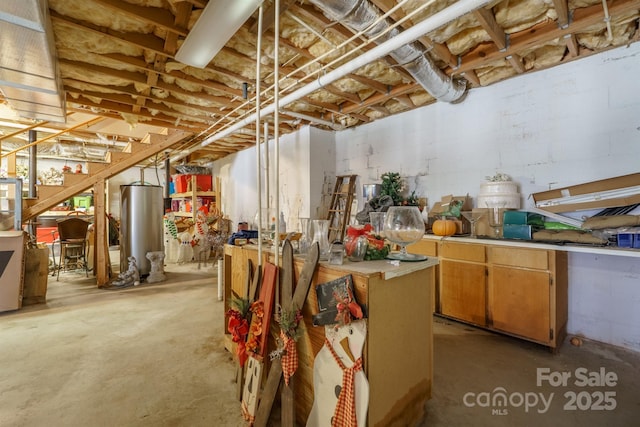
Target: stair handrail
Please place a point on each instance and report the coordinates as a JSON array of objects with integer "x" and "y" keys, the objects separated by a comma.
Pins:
[{"x": 53, "y": 135}]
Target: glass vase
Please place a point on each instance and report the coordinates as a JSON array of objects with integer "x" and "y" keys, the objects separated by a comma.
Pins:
[
  {"x": 321, "y": 235},
  {"x": 305, "y": 240},
  {"x": 266, "y": 224}
]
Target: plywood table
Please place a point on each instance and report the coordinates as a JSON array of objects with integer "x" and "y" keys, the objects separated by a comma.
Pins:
[{"x": 398, "y": 352}]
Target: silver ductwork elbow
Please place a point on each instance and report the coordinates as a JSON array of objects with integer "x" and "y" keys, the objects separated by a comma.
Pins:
[{"x": 360, "y": 14}]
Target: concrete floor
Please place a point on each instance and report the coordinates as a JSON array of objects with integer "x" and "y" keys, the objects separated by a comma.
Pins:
[
  {"x": 153, "y": 356},
  {"x": 470, "y": 364}
]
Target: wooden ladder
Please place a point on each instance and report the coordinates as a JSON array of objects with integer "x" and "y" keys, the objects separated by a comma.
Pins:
[{"x": 340, "y": 208}]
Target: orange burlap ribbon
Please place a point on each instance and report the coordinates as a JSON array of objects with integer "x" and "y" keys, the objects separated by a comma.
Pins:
[
  {"x": 345, "y": 413},
  {"x": 289, "y": 357}
]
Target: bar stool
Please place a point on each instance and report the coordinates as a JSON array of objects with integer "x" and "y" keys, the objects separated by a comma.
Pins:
[{"x": 72, "y": 232}]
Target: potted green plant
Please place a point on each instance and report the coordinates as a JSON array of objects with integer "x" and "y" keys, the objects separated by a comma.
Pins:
[{"x": 392, "y": 186}]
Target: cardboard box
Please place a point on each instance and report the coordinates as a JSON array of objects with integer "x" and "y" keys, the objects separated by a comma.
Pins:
[
  {"x": 487, "y": 225},
  {"x": 440, "y": 209},
  {"x": 36, "y": 272},
  {"x": 483, "y": 227},
  {"x": 606, "y": 193},
  {"x": 12, "y": 269}
]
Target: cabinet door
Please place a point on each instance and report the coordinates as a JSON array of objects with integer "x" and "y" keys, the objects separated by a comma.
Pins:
[
  {"x": 462, "y": 291},
  {"x": 519, "y": 302}
]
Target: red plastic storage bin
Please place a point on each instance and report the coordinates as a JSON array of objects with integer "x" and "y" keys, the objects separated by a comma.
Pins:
[{"x": 181, "y": 183}]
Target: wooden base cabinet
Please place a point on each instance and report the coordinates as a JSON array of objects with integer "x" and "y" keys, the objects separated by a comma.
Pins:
[
  {"x": 463, "y": 272},
  {"x": 398, "y": 354},
  {"x": 517, "y": 291},
  {"x": 527, "y": 293}
]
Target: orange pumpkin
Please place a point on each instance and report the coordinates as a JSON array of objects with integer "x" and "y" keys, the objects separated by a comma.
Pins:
[{"x": 444, "y": 227}]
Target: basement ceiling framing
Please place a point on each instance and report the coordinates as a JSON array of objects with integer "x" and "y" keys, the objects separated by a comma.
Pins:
[{"x": 116, "y": 60}]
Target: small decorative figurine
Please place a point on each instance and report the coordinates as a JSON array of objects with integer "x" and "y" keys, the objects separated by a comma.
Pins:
[
  {"x": 202, "y": 246},
  {"x": 185, "y": 251},
  {"x": 129, "y": 277},
  {"x": 171, "y": 241},
  {"x": 157, "y": 266}
]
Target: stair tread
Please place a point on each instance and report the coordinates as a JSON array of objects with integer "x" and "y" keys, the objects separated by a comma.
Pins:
[{"x": 50, "y": 195}]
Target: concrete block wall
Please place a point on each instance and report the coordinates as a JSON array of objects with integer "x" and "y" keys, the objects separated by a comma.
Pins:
[{"x": 572, "y": 124}]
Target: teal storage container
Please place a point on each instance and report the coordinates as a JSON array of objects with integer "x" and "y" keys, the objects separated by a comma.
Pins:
[
  {"x": 523, "y": 218},
  {"x": 517, "y": 231}
]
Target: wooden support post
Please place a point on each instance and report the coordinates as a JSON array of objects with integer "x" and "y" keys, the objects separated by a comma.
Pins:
[
  {"x": 12, "y": 173},
  {"x": 101, "y": 242},
  {"x": 11, "y": 166}
]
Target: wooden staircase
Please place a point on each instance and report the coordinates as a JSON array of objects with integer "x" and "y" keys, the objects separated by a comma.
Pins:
[{"x": 49, "y": 196}]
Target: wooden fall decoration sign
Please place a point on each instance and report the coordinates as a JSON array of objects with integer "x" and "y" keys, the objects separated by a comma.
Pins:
[
  {"x": 291, "y": 300},
  {"x": 288, "y": 413},
  {"x": 257, "y": 341},
  {"x": 251, "y": 288}
]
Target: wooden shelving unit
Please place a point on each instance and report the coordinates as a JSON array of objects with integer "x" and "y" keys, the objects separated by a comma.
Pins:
[{"x": 194, "y": 194}]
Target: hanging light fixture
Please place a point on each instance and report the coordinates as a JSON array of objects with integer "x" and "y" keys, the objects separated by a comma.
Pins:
[{"x": 219, "y": 21}]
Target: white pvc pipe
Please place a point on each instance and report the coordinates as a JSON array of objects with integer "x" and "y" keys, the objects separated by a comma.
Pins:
[
  {"x": 258, "y": 162},
  {"x": 431, "y": 23},
  {"x": 332, "y": 125},
  {"x": 220, "y": 279},
  {"x": 276, "y": 128},
  {"x": 266, "y": 165}
]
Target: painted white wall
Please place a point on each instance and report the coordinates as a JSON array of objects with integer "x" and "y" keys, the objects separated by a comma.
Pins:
[
  {"x": 303, "y": 168},
  {"x": 604, "y": 296},
  {"x": 571, "y": 124},
  {"x": 568, "y": 125},
  {"x": 322, "y": 170}
]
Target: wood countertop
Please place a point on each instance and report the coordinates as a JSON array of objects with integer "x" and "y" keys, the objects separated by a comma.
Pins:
[
  {"x": 567, "y": 247},
  {"x": 386, "y": 269}
]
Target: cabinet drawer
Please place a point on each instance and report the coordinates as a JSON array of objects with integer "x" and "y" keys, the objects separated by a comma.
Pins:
[
  {"x": 518, "y": 257},
  {"x": 463, "y": 251},
  {"x": 424, "y": 247}
]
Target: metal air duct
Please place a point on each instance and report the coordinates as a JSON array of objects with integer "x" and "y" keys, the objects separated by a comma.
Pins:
[
  {"x": 455, "y": 11},
  {"x": 29, "y": 75},
  {"x": 359, "y": 15}
]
